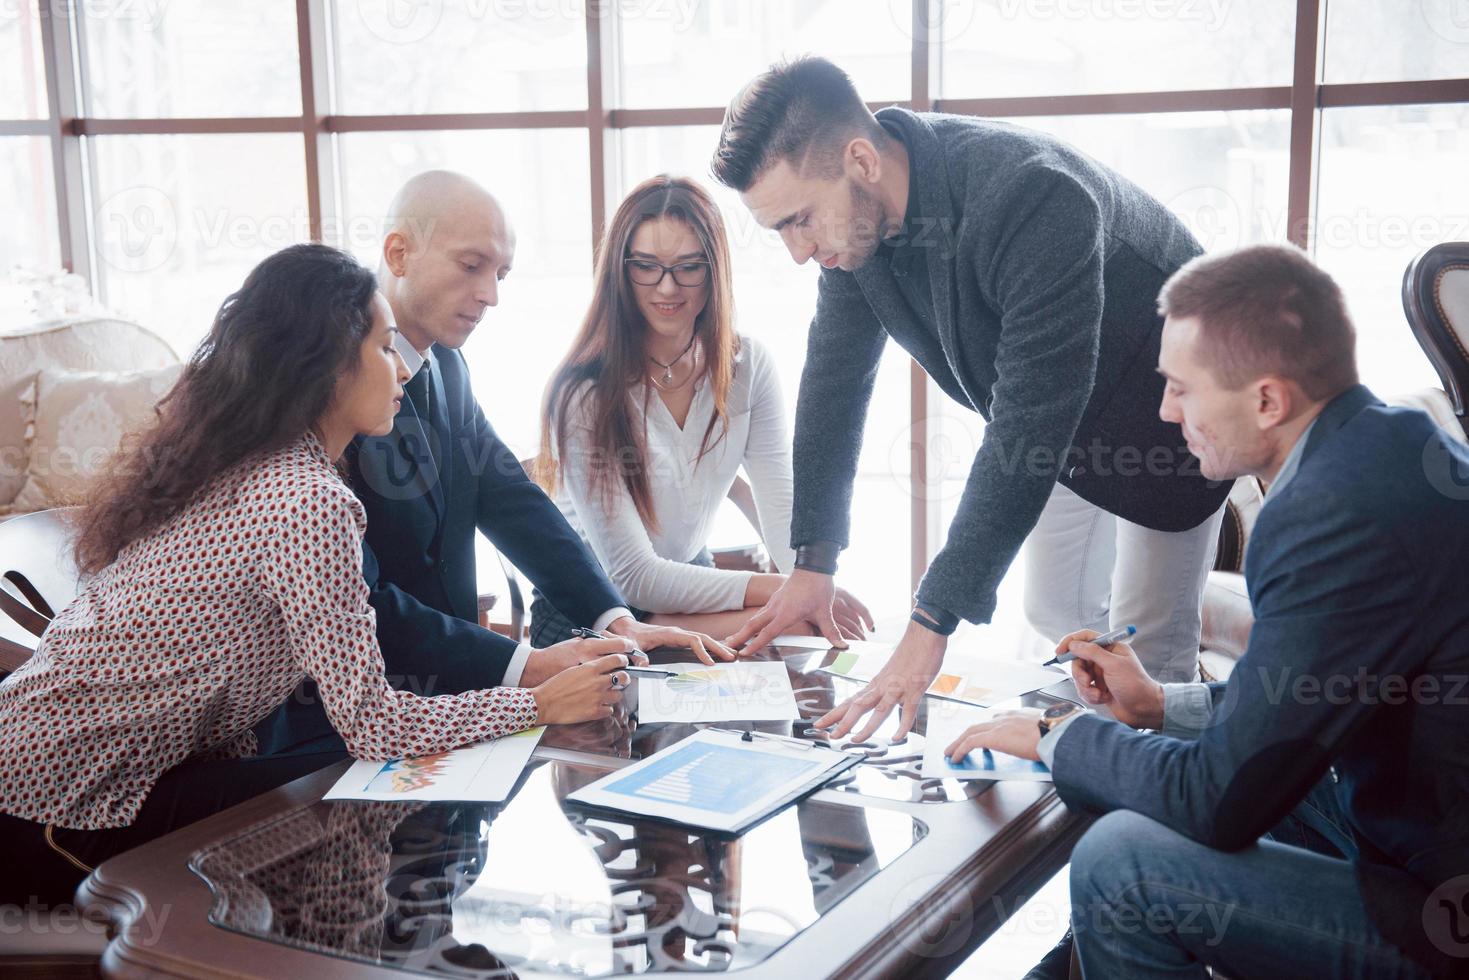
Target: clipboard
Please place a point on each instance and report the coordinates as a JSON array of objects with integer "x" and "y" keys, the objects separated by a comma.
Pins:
[{"x": 718, "y": 780}]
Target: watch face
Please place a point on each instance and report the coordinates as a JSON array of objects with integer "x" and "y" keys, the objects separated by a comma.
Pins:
[{"x": 1059, "y": 711}]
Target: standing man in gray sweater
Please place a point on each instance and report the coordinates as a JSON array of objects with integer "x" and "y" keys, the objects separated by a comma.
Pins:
[{"x": 1023, "y": 276}]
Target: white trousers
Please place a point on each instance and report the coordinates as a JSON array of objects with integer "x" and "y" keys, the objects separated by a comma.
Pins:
[{"x": 1086, "y": 568}]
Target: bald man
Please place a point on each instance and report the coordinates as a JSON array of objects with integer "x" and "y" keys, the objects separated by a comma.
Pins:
[{"x": 443, "y": 472}]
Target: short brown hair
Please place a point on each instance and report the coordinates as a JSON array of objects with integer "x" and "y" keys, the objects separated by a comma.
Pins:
[
  {"x": 1267, "y": 309},
  {"x": 804, "y": 111}
]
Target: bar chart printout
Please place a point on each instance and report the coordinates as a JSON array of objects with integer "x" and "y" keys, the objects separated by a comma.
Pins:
[
  {"x": 712, "y": 778},
  {"x": 718, "y": 780}
]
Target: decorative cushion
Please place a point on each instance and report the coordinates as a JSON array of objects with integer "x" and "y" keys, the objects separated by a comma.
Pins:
[
  {"x": 81, "y": 343},
  {"x": 78, "y": 420}
]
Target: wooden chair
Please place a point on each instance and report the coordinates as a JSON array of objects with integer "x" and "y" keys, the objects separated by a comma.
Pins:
[{"x": 37, "y": 579}]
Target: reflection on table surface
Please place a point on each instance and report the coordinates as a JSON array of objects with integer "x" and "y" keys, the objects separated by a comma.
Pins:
[{"x": 537, "y": 885}]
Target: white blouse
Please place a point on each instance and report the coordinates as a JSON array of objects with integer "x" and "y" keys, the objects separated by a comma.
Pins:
[{"x": 650, "y": 567}]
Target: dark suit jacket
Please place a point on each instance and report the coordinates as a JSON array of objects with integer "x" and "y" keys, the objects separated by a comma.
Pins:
[
  {"x": 1045, "y": 269},
  {"x": 418, "y": 556},
  {"x": 1358, "y": 660}
]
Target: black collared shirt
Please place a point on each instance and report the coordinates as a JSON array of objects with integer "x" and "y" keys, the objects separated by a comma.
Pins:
[{"x": 906, "y": 252}]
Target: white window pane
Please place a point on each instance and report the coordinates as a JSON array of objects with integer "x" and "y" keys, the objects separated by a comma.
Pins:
[
  {"x": 700, "y": 54},
  {"x": 997, "y": 48},
  {"x": 202, "y": 58},
  {"x": 1224, "y": 173},
  {"x": 396, "y": 57},
  {"x": 1391, "y": 185},
  {"x": 1373, "y": 41},
  {"x": 28, "y": 200},
  {"x": 542, "y": 179},
  {"x": 774, "y": 302},
  {"x": 22, "y": 68},
  {"x": 180, "y": 220}
]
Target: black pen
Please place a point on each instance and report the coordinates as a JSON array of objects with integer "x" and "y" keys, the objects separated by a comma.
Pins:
[{"x": 591, "y": 634}]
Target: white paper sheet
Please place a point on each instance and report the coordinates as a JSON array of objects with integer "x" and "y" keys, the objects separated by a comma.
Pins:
[
  {"x": 965, "y": 679},
  {"x": 946, "y": 726},
  {"x": 483, "y": 773},
  {"x": 757, "y": 690}
]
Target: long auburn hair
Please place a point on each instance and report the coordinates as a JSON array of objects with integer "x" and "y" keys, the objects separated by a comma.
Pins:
[
  {"x": 266, "y": 372},
  {"x": 607, "y": 363}
]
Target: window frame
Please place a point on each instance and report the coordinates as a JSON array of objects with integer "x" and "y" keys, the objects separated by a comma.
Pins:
[{"x": 68, "y": 126}]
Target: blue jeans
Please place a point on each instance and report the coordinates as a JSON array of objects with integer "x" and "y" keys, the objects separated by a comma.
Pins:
[{"x": 1147, "y": 901}]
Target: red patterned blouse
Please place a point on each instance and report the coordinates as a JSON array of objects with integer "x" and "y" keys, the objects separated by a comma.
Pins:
[{"x": 198, "y": 631}]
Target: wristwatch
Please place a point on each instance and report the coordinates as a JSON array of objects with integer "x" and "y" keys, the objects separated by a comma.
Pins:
[{"x": 1056, "y": 714}]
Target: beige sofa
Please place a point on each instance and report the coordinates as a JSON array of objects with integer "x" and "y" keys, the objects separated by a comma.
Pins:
[{"x": 61, "y": 349}]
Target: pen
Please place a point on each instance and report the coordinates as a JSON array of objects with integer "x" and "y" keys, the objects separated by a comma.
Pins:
[
  {"x": 1104, "y": 641},
  {"x": 750, "y": 736},
  {"x": 591, "y": 634}
]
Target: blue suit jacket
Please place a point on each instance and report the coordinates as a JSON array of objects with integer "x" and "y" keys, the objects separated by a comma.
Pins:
[
  {"x": 418, "y": 556},
  {"x": 1358, "y": 660}
]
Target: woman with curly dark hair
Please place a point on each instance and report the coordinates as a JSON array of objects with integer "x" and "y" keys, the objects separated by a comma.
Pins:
[{"x": 223, "y": 561}]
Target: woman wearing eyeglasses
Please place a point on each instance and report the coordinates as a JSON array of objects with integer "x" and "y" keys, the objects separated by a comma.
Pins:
[{"x": 653, "y": 411}]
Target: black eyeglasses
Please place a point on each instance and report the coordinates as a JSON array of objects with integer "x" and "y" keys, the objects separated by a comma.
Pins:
[{"x": 646, "y": 273}]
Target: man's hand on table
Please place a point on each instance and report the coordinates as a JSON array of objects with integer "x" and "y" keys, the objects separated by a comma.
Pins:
[
  {"x": 805, "y": 597},
  {"x": 650, "y": 637},
  {"x": 1016, "y": 732},
  {"x": 900, "y": 684},
  {"x": 1115, "y": 677}
]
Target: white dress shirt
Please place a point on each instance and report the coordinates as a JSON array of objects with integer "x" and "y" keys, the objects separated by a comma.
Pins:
[{"x": 650, "y": 566}]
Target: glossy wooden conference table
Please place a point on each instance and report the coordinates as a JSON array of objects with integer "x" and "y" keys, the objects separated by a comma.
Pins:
[{"x": 881, "y": 873}]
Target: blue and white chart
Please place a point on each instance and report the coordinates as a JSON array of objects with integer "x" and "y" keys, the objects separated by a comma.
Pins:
[
  {"x": 944, "y": 727},
  {"x": 715, "y": 779}
]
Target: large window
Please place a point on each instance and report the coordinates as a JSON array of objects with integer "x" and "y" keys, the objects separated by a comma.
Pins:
[{"x": 160, "y": 149}]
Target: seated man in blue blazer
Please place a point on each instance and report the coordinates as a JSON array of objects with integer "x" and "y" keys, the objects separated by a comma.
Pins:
[
  {"x": 1355, "y": 682},
  {"x": 443, "y": 472}
]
